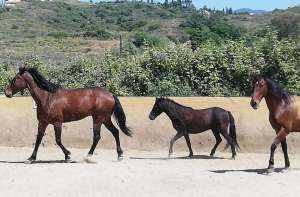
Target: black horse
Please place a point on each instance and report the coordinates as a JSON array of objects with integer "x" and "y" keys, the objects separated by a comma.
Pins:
[{"x": 190, "y": 121}]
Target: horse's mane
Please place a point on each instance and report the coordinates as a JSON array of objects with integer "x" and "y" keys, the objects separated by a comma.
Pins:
[
  {"x": 172, "y": 102},
  {"x": 276, "y": 91},
  {"x": 40, "y": 80}
]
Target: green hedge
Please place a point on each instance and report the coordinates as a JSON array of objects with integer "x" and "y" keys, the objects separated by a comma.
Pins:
[{"x": 176, "y": 70}]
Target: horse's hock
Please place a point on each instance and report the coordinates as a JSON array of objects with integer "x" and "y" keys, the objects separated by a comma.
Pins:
[{"x": 19, "y": 126}]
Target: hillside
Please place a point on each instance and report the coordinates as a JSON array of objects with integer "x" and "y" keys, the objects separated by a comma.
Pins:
[
  {"x": 59, "y": 31},
  {"x": 56, "y": 30}
]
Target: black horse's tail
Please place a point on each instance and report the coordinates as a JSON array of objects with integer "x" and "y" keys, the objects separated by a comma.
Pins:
[
  {"x": 232, "y": 131},
  {"x": 120, "y": 117}
]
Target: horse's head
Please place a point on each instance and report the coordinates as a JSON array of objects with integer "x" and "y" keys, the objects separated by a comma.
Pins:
[
  {"x": 157, "y": 108},
  {"x": 260, "y": 90},
  {"x": 17, "y": 84}
]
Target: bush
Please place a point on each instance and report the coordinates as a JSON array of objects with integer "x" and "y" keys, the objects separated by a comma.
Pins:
[
  {"x": 144, "y": 39},
  {"x": 177, "y": 70},
  {"x": 58, "y": 35},
  {"x": 6, "y": 74},
  {"x": 100, "y": 34}
]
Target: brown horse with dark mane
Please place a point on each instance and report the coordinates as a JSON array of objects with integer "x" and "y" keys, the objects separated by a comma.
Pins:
[
  {"x": 190, "y": 121},
  {"x": 284, "y": 113},
  {"x": 56, "y": 105}
]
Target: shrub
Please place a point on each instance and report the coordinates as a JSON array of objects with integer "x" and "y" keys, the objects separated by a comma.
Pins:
[{"x": 177, "y": 70}]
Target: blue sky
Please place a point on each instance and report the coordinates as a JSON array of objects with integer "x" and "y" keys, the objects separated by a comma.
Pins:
[
  {"x": 253, "y": 4},
  {"x": 236, "y": 4}
]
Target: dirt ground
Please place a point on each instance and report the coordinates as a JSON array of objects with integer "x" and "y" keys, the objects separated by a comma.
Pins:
[{"x": 143, "y": 173}]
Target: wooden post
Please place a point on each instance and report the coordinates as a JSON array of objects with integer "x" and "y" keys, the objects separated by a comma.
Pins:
[{"x": 121, "y": 45}]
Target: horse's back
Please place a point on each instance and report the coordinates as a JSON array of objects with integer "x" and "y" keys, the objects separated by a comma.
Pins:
[
  {"x": 209, "y": 118},
  {"x": 76, "y": 104}
]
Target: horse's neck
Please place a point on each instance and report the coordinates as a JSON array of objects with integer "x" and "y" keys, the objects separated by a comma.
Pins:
[
  {"x": 171, "y": 112},
  {"x": 40, "y": 96},
  {"x": 273, "y": 104}
]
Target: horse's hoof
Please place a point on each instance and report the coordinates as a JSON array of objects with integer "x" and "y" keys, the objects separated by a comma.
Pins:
[
  {"x": 120, "y": 158},
  {"x": 190, "y": 156},
  {"x": 89, "y": 159},
  {"x": 68, "y": 161},
  {"x": 232, "y": 158},
  {"x": 29, "y": 161},
  {"x": 286, "y": 169},
  {"x": 270, "y": 170}
]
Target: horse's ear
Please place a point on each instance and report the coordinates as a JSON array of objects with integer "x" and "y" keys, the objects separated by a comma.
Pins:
[
  {"x": 22, "y": 69},
  {"x": 255, "y": 77},
  {"x": 158, "y": 99}
]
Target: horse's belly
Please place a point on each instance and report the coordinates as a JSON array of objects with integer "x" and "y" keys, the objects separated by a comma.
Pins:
[
  {"x": 74, "y": 117},
  {"x": 193, "y": 129}
]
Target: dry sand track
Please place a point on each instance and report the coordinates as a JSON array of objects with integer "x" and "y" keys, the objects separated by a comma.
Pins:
[{"x": 143, "y": 173}]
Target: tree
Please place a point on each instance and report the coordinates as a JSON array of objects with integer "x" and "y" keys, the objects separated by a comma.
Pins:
[
  {"x": 166, "y": 3},
  {"x": 288, "y": 25}
]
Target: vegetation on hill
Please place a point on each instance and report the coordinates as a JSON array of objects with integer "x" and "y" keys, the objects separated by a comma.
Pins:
[{"x": 76, "y": 44}]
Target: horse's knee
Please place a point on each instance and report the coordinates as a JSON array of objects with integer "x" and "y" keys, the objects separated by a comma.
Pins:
[
  {"x": 273, "y": 146},
  {"x": 97, "y": 137},
  {"x": 58, "y": 141}
]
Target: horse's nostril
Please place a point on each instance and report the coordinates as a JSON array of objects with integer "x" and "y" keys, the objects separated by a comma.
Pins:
[
  {"x": 151, "y": 117},
  {"x": 8, "y": 93},
  {"x": 254, "y": 104}
]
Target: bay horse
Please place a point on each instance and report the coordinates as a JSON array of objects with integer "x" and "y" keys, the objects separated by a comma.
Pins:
[
  {"x": 186, "y": 120},
  {"x": 56, "y": 105},
  {"x": 284, "y": 113}
]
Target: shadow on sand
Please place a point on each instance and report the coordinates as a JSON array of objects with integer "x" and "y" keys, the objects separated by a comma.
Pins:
[
  {"x": 262, "y": 171},
  {"x": 40, "y": 162},
  {"x": 167, "y": 158}
]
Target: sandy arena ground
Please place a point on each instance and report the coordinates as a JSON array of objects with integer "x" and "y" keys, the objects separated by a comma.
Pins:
[{"x": 143, "y": 173}]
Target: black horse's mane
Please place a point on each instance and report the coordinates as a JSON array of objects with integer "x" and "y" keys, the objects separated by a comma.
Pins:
[
  {"x": 170, "y": 102},
  {"x": 277, "y": 91},
  {"x": 40, "y": 80}
]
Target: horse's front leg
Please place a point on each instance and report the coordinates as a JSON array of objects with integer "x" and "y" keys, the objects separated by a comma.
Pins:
[
  {"x": 279, "y": 138},
  {"x": 96, "y": 130},
  {"x": 176, "y": 137},
  {"x": 41, "y": 131}
]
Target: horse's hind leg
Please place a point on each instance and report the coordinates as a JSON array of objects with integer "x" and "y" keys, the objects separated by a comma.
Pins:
[
  {"x": 176, "y": 137},
  {"x": 187, "y": 139},
  {"x": 57, "y": 129},
  {"x": 229, "y": 140},
  {"x": 285, "y": 153},
  {"x": 109, "y": 125},
  {"x": 218, "y": 141}
]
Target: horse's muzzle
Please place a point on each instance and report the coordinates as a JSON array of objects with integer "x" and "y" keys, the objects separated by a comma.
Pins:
[
  {"x": 254, "y": 104},
  {"x": 151, "y": 117},
  {"x": 8, "y": 93}
]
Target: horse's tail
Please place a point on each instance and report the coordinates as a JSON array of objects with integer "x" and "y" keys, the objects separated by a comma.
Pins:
[
  {"x": 232, "y": 131},
  {"x": 120, "y": 117}
]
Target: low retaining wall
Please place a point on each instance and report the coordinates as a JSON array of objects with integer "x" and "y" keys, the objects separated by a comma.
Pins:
[{"x": 19, "y": 126}]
